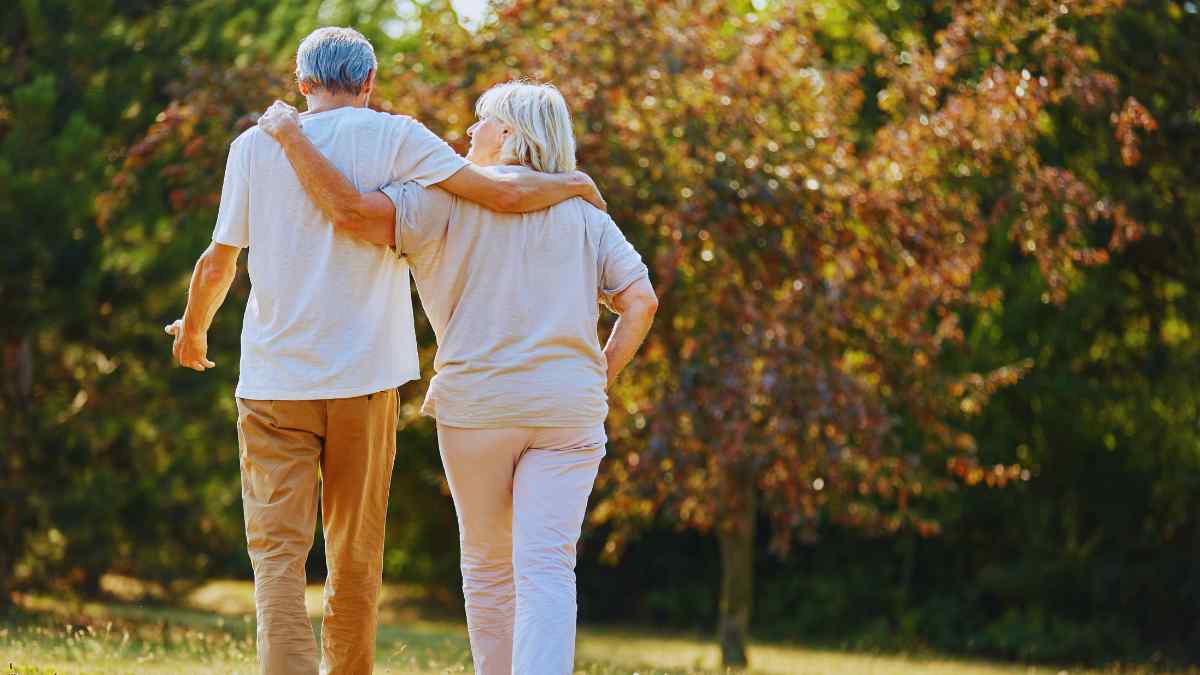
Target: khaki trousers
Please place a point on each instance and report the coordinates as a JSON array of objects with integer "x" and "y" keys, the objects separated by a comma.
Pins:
[
  {"x": 339, "y": 451},
  {"x": 520, "y": 495}
]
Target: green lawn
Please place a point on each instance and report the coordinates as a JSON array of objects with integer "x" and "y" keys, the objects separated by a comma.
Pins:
[{"x": 213, "y": 632}]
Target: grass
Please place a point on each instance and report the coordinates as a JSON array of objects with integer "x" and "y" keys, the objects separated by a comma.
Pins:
[{"x": 213, "y": 631}]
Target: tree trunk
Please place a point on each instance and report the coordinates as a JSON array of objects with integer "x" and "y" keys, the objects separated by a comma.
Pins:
[{"x": 736, "y": 537}]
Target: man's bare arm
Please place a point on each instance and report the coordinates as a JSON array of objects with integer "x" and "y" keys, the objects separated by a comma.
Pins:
[
  {"x": 211, "y": 279},
  {"x": 636, "y": 306},
  {"x": 514, "y": 189},
  {"x": 371, "y": 216}
]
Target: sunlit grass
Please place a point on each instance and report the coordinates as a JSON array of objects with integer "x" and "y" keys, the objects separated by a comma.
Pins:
[{"x": 213, "y": 631}]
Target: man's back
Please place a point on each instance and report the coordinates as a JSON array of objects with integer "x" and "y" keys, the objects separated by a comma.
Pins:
[{"x": 329, "y": 316}]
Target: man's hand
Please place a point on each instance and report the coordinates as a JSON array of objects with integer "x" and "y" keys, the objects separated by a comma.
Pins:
[
  {"x": 590, "y": 192},
  {"x": 280, "y": 120},
  {"x": 190, "y": 349}
]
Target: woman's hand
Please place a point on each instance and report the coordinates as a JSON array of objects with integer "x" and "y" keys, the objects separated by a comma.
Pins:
[{"x": 280, "y": 120}]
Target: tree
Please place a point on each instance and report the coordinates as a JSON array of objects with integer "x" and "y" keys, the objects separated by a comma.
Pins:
[
  {"x": 71, "y": 93},
  {"x": 108, "y": 450},
  {"x": 1106, "y": 419},
  {"x": 815, "y": 195},
  {"x": 812, "y": 265}
]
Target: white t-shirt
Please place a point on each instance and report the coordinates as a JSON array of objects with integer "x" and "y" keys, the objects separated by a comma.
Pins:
[{"x": 329, "y": 316}]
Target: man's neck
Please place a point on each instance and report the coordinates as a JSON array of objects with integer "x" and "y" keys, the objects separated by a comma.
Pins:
[{"x": 318, "y": 104}]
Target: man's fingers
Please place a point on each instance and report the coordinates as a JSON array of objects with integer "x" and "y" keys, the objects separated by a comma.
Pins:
[
  {"x": 594, "y": 197},
  {"x": 274, "y": 111},
  {"x": 198, "y": 365},
  {"x": 278, "y": 118},
  {"x": 598, "y": 201},
  {"x": 190, "y": 360},
  {"x": 281, "y": 108}
]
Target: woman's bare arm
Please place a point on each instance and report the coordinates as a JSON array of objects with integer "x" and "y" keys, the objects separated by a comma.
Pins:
[
  {"x": 510, "y": 189},
  {"x": 636, "y": 306},
  {"x": 367, "y": 215}
]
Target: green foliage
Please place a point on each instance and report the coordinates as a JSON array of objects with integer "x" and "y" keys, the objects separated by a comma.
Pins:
[
  {"x": 848, "y": 332},
  {"x": 114, "y": 459}
]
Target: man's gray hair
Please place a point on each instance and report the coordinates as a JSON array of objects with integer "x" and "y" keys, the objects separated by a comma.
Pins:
[{"x": 337, "y": 60}]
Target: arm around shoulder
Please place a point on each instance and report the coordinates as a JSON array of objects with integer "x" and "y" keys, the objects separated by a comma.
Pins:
[
  {"x": 514, "y": 189},
  {"x": 490, "y": 189}
]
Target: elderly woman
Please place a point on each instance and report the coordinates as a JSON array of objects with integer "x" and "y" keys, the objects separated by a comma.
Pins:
[{"x": 520, "y": 390}]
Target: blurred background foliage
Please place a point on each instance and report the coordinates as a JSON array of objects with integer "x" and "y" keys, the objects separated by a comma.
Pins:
[{"x": 994, "y": 342}]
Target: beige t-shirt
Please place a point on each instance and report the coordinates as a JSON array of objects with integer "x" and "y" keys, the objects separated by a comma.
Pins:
[
  {"x": 513, "y": 299},
  {"x": 329, "y": 316}
]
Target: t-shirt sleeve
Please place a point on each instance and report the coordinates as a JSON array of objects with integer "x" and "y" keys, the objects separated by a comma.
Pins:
[
  {"x": 233, "y": 216},
  {"x": 422, "y": 156},
  {"x": 422, "y": 215},
  {"x": 620, "y": 263}
]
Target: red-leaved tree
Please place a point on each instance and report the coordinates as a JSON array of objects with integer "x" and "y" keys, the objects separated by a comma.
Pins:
[{"x": 814, "y": 196}]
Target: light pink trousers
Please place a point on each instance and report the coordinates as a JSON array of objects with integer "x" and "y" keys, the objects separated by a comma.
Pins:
[{"x": 520, "y": 494}]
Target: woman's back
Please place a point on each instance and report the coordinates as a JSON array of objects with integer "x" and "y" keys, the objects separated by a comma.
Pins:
[{"x": 513, "y": 299}]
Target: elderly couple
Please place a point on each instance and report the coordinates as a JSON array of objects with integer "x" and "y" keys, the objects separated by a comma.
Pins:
[{"x": 336, "y": 205}]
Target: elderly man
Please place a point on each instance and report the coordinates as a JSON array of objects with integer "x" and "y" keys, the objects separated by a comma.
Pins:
[{"x": 327, "y": 337}]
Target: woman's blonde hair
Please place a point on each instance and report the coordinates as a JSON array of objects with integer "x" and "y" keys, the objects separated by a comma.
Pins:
[{"x": 542, "y": 138}]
